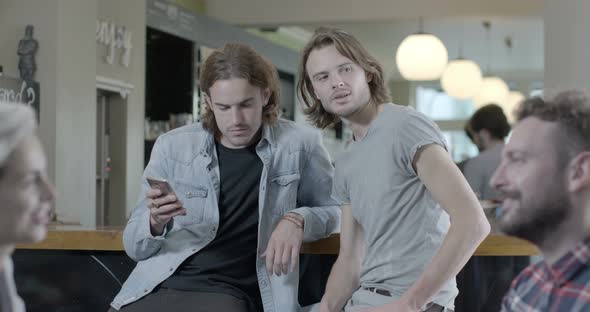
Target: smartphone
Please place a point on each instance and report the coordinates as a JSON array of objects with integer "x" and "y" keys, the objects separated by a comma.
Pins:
[{"x": 160, "y": 184}]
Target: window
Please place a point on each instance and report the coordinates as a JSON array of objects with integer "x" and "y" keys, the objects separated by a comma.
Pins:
[{"x": 450, "y": 114}]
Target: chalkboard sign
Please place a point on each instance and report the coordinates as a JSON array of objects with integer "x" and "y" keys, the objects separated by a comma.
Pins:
[{"x": 17, "y": 91}]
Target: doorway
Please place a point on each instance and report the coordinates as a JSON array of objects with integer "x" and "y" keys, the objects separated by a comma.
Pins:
[{"x": 110, "y": 158}]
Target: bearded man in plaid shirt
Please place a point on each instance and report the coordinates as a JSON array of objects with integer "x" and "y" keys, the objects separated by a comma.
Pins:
[{"x": 544, "y": 179}]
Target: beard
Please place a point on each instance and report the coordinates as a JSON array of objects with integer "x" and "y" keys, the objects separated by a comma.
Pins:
[
  {"x": 539, "y": 216},
  {"x": 360, "y": 100}
]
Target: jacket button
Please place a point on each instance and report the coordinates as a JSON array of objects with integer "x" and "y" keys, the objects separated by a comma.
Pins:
[
  {"x": 145, "y": 290},
  {"x": 171, "y": 269}
]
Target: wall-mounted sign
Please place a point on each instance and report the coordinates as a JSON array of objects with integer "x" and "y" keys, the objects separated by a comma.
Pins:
[
  {"x": 173, "y": 19},
  {"x": 114, "y": 36},
  {"x": 17, "y": 91}
]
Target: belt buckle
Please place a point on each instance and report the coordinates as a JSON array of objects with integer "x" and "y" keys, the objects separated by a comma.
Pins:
[{"x": 379, "y": 291}]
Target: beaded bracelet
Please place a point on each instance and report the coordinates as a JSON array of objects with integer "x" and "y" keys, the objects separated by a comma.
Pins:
[{"x": 293, "y": 220}]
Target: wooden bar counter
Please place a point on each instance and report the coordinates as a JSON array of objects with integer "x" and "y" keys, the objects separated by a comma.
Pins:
[{"x": 66, "y": 237}]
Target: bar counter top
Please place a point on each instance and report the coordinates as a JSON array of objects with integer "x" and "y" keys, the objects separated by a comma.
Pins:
[{"x": 69, "y": 237}]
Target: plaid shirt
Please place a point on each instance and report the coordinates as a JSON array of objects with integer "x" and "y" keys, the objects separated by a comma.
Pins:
[{"x": 565, "y": 286}]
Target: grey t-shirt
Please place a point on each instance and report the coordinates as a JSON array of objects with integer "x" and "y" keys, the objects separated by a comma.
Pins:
[
  {"x": 479, "y": 170},
  {"x": 403, "y": 225}
]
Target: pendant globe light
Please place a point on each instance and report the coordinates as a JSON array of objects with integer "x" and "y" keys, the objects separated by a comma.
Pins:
[
  {"x": 510, "y": 105},
  {"x": 493, "y": 89},
  {"x": 461, "y": 78},
  {"x": 421, "y": 56}
]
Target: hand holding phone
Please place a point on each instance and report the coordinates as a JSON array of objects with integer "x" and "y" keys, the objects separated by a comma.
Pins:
[
  {"x": 163, "y": 205},
  {"x": 160, "y": 184}
]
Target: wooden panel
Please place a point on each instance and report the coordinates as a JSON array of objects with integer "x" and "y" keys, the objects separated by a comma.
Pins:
[
  {"x": 493, "y": 245},
  {"x": 111, "y": 238},
  {"x": 502, "y": 245},
  {"x": 329, "y": 245},
  {"x": 76, "y": 238}
]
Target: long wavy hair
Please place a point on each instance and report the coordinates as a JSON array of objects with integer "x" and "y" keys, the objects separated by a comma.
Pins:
[
  {"x": 236, "y": 60},
  {"x": 350, "y": 47}
]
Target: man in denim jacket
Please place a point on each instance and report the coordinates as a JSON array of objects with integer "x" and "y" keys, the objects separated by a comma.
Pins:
[{"x": 249, "y": 188}]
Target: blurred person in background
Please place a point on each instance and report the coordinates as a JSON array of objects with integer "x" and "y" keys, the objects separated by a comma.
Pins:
[
  {"x": 488, "y": 127},
  {"x": 461, "y": 164}
]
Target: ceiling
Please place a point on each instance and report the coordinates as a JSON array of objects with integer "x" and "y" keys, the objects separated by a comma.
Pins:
[
  {"x": 382, "y": 24},
  {"x": 525, "y": 58},
  {"x": 280, "y": 12}
]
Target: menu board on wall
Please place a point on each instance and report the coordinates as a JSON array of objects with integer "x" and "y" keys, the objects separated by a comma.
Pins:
[
  {"x": 17, "y": 91},
  {"x": 172, "y": 19}
]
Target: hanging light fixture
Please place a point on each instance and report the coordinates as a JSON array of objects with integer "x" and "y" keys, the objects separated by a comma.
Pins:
[
  {"x": 421, "y": 56},
  {"x": 493, "y": 89},
  {"x": 461, "y": 78},
  {"x": 514, "y": 98},
  {"x": 510, "y": 105}
]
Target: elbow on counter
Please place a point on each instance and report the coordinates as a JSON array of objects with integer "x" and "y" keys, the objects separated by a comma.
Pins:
[
  {"x": 138, "y": 247},
  {"x": 131, "y": 252},
  {"x": 138, "y": 251}
]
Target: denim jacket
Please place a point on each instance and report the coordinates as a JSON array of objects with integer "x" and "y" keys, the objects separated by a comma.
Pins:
[{"x": 296, "y": 176}]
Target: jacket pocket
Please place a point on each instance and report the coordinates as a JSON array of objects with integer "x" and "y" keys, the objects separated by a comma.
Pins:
[
  {"x": 193, "y": 198},
  {"x": 283, "y": 192}
]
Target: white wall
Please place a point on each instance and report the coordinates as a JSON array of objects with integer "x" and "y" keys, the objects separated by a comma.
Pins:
[
  {"x": 76, "y": 111},
  {"x": 66, "y": 70},
  {"x": 130, "y": 13},
  {"x": 567, "y": 45},
  {"x": 68, "y": 62},
  {"x": 14, "y": 16}
]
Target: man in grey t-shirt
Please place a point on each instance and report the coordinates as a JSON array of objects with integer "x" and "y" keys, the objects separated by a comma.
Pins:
[
  {"x": 399, "y": 251},
  {"x": 488, "y": 128}
]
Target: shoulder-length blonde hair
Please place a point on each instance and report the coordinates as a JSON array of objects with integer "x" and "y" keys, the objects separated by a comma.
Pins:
[
  {"x": 351, "y": 48},
  {"x": 236, "y": 60}
]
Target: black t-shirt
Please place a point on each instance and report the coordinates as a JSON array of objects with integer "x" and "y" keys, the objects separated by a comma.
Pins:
[{"x": 228, "y": 263}]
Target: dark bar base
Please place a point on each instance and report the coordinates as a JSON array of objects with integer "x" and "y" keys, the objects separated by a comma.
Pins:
[{"x": 64, "y": 281}]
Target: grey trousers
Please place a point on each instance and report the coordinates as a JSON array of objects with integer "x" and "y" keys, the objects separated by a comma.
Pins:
[
  {"x": 362, "y": 298},
  {"x": 170, "y": 300}
]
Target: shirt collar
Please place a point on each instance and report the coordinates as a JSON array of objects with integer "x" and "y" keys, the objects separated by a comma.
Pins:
[{"x": 268, "y": 136}]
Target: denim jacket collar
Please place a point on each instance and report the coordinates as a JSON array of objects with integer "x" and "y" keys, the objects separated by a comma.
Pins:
[{"x": 208, "y": 147}]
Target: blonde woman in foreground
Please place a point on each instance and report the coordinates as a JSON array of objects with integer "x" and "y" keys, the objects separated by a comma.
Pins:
[{"x": 25, "y": 193}]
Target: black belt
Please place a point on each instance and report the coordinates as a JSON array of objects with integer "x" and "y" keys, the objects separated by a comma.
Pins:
[
  {"x": 384, "y": 292},
  {"x": 380, "y": 291}
]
